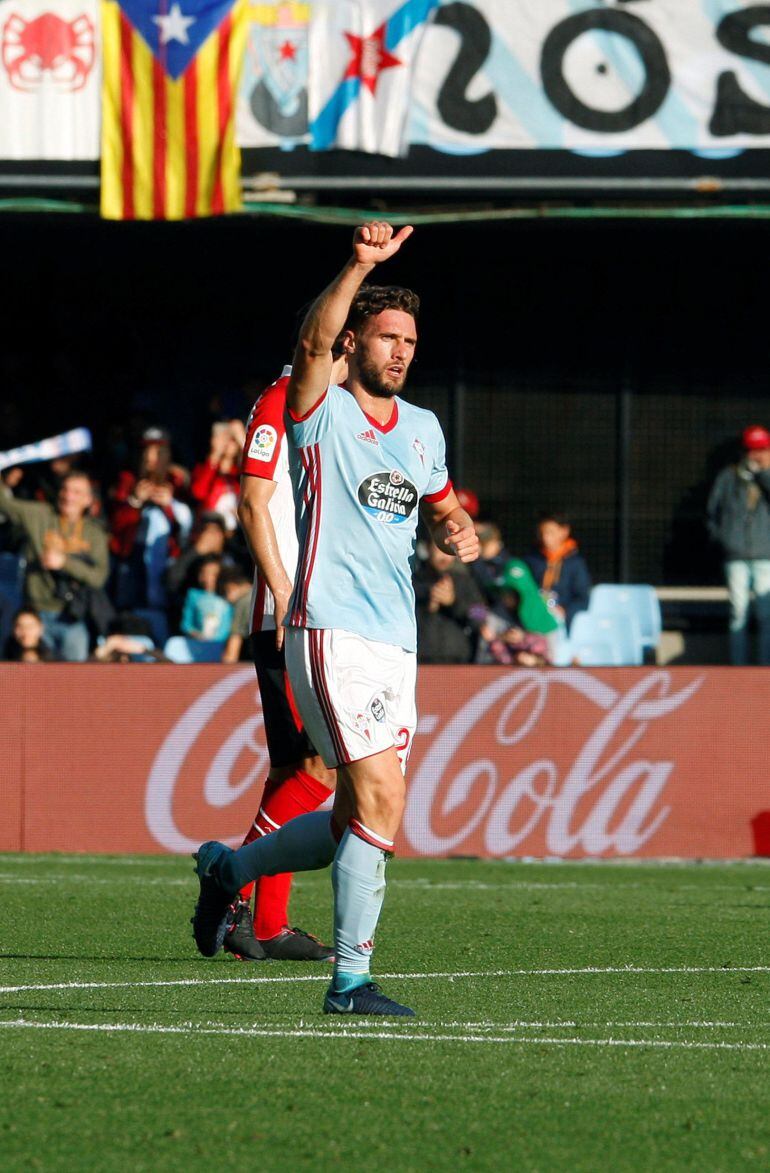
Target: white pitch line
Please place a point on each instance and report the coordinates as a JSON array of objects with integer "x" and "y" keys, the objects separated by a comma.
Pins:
[
  {"x": 523, "y": 1024},
  {"x": 237, "y": 981},
  {"x": 615, "y": 970},
  {"x": 355, "y": 1033}
]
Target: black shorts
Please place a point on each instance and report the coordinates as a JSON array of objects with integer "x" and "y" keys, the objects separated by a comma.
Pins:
[{"x": 287, "y": 741}]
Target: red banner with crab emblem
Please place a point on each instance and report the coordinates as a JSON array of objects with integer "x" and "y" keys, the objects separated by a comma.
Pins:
[{"x": 50, "y": 78}]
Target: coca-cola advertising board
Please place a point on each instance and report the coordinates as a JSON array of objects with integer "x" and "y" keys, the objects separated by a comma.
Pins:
[{"x": 610, "y": 763}]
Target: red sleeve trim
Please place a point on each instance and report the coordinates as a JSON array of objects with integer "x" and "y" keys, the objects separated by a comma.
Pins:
[
  {"x": 433, "y": 498},
  {"x": 263, "y": 472},
  {"x": 298, "y": 419}
]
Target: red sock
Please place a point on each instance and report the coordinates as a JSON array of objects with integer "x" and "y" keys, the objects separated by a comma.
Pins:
[{"x": 298, "y": 795}]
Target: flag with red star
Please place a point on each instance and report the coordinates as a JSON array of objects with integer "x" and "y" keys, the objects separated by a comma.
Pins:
[{"x": 362, "y": 55}]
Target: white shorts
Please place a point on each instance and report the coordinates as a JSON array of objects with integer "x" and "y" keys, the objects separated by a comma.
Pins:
[{"x": 356, "y": 697}]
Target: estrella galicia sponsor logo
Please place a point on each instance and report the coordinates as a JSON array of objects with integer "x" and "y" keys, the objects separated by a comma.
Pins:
[{"x": 388, "y": 496}]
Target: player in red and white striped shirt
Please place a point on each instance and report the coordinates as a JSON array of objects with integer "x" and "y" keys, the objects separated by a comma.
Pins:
[{"x": 298, "y": 781}]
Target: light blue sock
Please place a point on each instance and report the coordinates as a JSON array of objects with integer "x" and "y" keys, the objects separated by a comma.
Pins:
[
  {"x": 358, "y": 877},
  {"x": 304, "y": 844}
]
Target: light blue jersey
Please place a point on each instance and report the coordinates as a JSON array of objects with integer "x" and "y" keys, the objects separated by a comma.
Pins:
[{"x": 357, "y": 486}]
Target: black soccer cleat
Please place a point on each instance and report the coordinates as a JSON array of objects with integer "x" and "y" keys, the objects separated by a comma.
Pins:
[
  {"x": 296, "y": 945},
  {"x": 368, "y": 999},
  {"x": 239, "y": 936},
  {"x": 209, "y": 921}
]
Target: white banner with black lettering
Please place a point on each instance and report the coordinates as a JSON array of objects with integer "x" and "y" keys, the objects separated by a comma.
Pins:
[
  {"x": 50, "y": 79},
  {"x": 585, "y": 75},
  {"x": 580, "y": 75}
]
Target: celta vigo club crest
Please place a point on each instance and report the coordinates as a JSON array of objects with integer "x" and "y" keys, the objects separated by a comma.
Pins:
[{"x": 277, "y": 68}]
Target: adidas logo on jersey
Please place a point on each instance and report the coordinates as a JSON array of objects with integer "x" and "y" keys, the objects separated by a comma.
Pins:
[{"x": 369, "y": 437}]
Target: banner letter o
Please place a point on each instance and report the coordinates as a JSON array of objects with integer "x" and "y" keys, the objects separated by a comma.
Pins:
[{"x": 646, "y": 43}]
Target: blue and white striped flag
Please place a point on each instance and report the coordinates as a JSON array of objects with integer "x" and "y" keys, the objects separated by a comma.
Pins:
[{"x": 65, "y": 444}]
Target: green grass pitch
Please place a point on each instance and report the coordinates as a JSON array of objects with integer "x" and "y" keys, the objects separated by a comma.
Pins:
[{"x": 571, "y": 1017}]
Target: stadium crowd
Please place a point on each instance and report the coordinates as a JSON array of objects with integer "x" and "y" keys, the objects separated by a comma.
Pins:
[{"x": 148, "y": 563}]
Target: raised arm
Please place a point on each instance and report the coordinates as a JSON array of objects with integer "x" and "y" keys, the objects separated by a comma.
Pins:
[
  {"x": 373, "y": 243},
  {"x": 451, "y": 527}
]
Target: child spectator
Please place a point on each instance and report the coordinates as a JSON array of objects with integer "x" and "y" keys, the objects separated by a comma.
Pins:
[
  {"x": 205, "y": 614},
  {"x": 25, "y": 644},
  {"x": 129, "y": 641},
  {"x": 559, "y": 569},
  {"x": 520, "y": 629},
  {"x": 236, "y": 588},
  {"x": 491, "y": 560}
]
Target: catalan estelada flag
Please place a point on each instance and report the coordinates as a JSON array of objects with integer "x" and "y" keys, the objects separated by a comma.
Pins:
[{"x": 171, "y": 71}]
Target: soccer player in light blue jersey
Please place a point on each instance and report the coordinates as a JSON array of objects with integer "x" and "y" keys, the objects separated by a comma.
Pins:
[{"x": 364, "y": 464}]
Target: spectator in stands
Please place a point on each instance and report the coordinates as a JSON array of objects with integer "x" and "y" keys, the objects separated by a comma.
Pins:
[
  {"x": 149, "y": 524},
  {"x": 739, "y": 521},
  {"x": 491, "y": 560},
  {"x": 559, "y": 568},
  {"x": 12, "y": 537},
  {"x": 235, "y": 586},
  {"x": 26, "y": 643},
  {"x": 208, "y": 537},
  {"x": 445, "y": 592},
  {"x": 49, "y": 476},
  {"x": 215, "y": 483},
  {"x": 520, "y": 629},
  {"x": 67, "y": 563},
  {"x": 469, "y": 502},
  {"x": 129, "y": 640},
  {"x": 205, "y": 614}
]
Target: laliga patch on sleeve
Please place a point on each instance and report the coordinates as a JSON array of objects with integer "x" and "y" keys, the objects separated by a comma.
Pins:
[{"x": 263, "y": 443}]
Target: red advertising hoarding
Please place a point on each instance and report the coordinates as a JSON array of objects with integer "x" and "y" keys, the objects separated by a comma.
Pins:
[{"x": 568, "y": 763}]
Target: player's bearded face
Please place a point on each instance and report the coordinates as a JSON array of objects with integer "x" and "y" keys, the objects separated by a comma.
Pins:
[{"x": 384, "y": 351}]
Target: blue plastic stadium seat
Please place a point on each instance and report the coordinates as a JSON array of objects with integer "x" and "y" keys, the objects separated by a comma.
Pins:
[
  {"x": 610, "y": 639},
  {"x": 638, "y": 601},
  {"x": 561, "y": 649},
  {"x": 193, "y": 651}
]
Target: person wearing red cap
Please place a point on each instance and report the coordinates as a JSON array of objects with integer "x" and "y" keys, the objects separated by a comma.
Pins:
[{"x": 739, "y": 521}]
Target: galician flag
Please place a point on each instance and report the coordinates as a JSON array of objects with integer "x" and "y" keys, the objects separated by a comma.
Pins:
[
  {"x": 171, "y": 70},
  {"x": 362, "y": 55}
]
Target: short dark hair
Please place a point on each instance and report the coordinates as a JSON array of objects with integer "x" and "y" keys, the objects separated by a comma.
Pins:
[
  {"x": 207, "y": 560},
  {"x": 373, "y": 299},
  {"x": 77, "y": 474},
  {"x": 232, "y": 575},
  {"x": 556, "y": 516}
]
